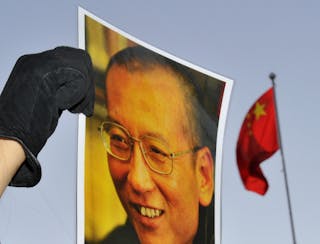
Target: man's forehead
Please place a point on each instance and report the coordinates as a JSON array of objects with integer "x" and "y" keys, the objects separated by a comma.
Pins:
[
  {"x": 154, "y": 95},
  {"x": 156, "y": 76}
]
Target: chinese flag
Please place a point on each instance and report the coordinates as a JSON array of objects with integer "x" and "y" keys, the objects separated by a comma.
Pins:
[{"x": 257, "y": 141}]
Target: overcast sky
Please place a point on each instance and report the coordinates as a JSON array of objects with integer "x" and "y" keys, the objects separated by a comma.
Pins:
[{"x": 243, "y": 40}]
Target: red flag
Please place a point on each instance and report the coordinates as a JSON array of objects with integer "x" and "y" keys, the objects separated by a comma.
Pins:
[{"x": 257, "y": 141}]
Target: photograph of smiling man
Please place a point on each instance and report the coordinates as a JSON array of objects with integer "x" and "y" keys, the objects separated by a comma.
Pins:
[{"x": 150, "y": 148}]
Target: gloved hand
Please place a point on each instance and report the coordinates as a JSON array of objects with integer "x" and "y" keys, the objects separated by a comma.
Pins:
[{"x": 39, "y": 88}]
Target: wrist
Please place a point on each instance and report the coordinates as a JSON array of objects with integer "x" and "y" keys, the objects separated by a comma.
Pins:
[{"x": 12, "y": 156}]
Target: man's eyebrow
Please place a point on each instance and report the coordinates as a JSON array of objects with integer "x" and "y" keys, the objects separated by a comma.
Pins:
[
  {"x": 150, "y": 134},
  {"x": 110, "y": 119},
  {"x": 158, "y": 136}
]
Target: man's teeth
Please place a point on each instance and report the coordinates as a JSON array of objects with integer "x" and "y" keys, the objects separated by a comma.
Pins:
[{"x": 150, "y": 212}]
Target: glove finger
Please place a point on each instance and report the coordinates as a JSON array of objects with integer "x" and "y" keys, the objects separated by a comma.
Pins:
[
  {"x": 73, "y": 80},
  {"x": 74, "y": 89},
  {"x": 86, "y": 106},
  {"x": 76, "y": 59}
]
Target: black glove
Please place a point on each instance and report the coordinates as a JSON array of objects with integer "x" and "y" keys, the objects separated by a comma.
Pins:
[{"x": 39, "y": 88}]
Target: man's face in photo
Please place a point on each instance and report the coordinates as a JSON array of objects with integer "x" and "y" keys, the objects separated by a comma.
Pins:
[{"x": 163, "y": 208}]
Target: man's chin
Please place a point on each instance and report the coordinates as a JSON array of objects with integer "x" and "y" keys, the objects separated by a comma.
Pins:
[
  {"x": 153, "y": 239},
  {"x": 150, "y": 233},
  {"x": 160, "y": 237},
  {"x": 162, "y": 240}
]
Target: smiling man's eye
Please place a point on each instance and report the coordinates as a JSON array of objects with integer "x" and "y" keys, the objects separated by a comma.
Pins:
[
  {"x": 156, "y": 151},
  {"x": 118, "y": 138},
  {"x": 156, "y": 154},
  {"x": 119, "y": 142}
]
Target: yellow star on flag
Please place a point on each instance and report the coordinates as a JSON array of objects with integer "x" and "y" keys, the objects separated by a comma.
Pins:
[{"x": 259, "y": 110}]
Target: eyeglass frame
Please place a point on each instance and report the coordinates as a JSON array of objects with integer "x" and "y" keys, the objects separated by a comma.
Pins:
[{"x": 132, "y": 140}]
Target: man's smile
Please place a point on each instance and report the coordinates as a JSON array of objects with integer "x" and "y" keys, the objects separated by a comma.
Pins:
[
  {"x": 150, "y": 212},
  {"x": 147, "y": 211}
]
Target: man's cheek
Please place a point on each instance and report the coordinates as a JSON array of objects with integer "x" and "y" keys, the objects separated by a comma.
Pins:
[{"x": 118, "y": 171}]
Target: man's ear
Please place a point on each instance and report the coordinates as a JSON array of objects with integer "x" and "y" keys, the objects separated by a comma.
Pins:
[{"x": 205, "y": 175}]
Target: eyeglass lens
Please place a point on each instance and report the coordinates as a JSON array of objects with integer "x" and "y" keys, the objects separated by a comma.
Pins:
[{"x": 119, "y": 144}]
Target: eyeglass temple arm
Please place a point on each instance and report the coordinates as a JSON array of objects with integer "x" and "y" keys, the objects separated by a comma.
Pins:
[{"x": 178, "y": 154}]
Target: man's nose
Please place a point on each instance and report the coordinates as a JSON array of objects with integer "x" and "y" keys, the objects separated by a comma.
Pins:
[{"x": 139, "y": 176}]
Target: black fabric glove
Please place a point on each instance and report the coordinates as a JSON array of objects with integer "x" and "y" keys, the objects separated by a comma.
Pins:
[{"x": 39, "y": 88}]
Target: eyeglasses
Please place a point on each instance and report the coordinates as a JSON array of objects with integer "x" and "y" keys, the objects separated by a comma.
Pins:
[{"x": 119, "y": 144}]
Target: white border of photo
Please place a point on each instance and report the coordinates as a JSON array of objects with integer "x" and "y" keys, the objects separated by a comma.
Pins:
[{"x": 82, "y": 125}]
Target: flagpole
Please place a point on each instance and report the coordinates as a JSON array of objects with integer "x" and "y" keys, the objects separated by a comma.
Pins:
[{"x": 272, "y": 77}]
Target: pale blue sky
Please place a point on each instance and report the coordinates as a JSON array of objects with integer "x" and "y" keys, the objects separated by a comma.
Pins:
[{"x": 243, "y": 40}]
